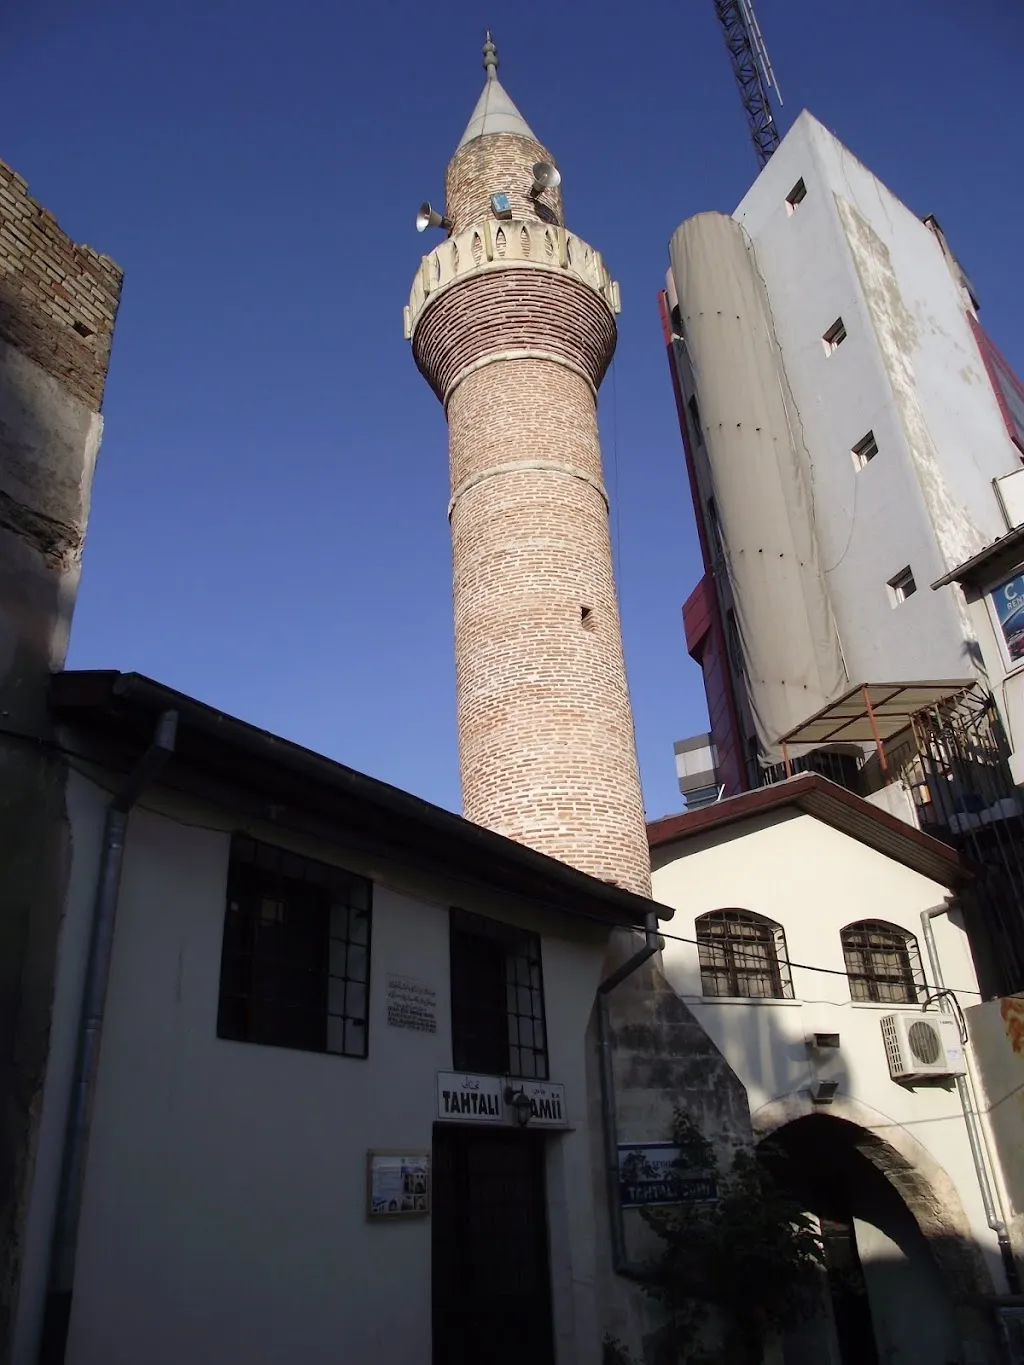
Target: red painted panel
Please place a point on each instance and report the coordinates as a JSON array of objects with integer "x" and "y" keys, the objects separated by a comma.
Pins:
[{"x": 1008, "y": 389}]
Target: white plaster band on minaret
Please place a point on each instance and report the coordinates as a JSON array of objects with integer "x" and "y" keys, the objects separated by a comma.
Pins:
[
  {"x": 523, "y": 353},
  {"x": 514, "y": 466},
  {"x": 513, "y": 243}
]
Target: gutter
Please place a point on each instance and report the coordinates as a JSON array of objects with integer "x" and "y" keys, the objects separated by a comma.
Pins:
[
  {"x": 969, "y": 1103},
  {"x": 94, "y": 997},
  {"x": 74, "y": 696},
  {"x": 609, "y": 1123}
]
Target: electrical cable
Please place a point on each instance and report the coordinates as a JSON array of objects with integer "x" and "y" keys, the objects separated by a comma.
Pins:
[{"x": 55, "y": 746}]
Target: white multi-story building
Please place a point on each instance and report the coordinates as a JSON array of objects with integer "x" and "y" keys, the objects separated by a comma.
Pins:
[{"x": 845, "y": 420}]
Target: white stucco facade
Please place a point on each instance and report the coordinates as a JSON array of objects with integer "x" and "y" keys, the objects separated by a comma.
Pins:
[
  {"x": 873, "y": 398},
  {"x": 224, "y": 1211},
  {"x": 909, "y": 370},
  {"x": 813, "y": 879}
]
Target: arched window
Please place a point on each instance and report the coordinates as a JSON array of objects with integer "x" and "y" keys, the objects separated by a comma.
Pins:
[
  {"x": 743, "y": 954},
  {"x": 882, "y": 962}
]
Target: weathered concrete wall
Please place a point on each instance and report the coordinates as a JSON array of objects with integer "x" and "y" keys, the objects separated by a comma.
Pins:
[
  {"x": 57, "y": 308},
  {"x": 662, "y": 1057},
  {"x": 910, "y": 372}
]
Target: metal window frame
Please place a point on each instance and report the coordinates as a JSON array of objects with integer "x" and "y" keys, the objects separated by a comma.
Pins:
[
  {"x": 513, "y": 940},
  {"x": 774, "y": 967},
  {"x": 340, "y": 889},
  {"x": 855, "y": 938}
]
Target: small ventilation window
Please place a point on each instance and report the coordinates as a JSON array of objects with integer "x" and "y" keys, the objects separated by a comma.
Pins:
[
  {"x": 82, "y": 329},
  {"x": 834, "y": 337},
  {"x": 796, "y": 196},
  {"x": 902, "y": 586},
  {"x": 587, "y": 618},
  {"x": 865, "y": 450}
]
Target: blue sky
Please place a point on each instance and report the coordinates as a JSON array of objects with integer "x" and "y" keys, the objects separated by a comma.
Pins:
[{"x": 268, "y": 528}]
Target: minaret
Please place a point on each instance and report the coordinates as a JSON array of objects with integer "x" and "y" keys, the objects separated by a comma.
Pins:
[{"x": 512, "y": 321}]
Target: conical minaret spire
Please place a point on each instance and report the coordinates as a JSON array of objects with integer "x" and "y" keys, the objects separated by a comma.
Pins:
[
  {"x": 512, "y": 321},
  {"x": 494, "y": 112}
]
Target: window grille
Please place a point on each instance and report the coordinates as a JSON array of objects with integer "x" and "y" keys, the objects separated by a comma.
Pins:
[
  {"x": 743, "y": 955},
  {"x": 295, "y": 962},
  {"x": 882, "y": 962},
  {"x": 498, "y": 1024}
]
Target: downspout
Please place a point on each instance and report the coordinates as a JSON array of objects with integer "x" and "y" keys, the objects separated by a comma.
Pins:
[
  {"x": 94, "y": 996},
  {"x": 969, "y": 1104},
  {"x": 609, "y": 1123}
]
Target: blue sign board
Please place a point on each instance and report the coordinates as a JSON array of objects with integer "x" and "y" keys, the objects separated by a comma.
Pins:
[
  {"x": 1008, "y": 601},
  {"x": 648, "y": 1175}
]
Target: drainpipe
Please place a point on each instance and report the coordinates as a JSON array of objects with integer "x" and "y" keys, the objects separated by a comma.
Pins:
[
  {"x": 969, "y": 1104},
  {"x": 94, "y": 996},
  {"x": 609, "y": 1123}
]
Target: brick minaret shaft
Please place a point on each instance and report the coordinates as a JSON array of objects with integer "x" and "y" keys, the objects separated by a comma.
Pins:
[{"x": 512, "y": 321}]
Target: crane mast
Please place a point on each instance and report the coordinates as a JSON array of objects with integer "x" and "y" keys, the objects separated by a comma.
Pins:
[{"x": 753, "y": 71}]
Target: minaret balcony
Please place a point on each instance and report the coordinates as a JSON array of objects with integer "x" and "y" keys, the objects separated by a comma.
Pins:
[{"x": 503, "y": 245}]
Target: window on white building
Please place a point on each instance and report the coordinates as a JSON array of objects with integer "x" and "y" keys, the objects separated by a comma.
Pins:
[
  {"x": 295, "y": 961},
  {"x": 743, "y": 955},
  {"x": 498, "y": 1024},
  {"x": 864, "y": 451},
  {"x": 834, "y": 337},
  {"x": 796, "y": 196},
  {"x": 902, "y": 586},
  {"x": 882, "y": 962}
]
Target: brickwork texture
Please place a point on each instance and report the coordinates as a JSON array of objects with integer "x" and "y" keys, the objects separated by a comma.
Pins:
[
  {"x": 58, "y": 300},
  {"x": 546, "y": 743},
  {"x": 498, "y": 163}
]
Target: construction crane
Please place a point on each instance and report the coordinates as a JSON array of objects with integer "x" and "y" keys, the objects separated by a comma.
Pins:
[{"x": 753, "y": 71}]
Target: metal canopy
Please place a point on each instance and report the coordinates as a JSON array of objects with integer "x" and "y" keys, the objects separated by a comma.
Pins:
[
  {"x": 964, "y": 573},
  {"x": 873, "y": 712}
]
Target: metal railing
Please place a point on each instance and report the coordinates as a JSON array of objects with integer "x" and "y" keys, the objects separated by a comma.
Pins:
[{"x": 954, "y": 761}]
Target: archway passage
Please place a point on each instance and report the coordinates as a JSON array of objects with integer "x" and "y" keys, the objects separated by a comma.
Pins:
[{"x": 883, "y": 1295}]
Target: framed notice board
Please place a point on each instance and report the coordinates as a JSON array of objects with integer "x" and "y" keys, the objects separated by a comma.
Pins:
[{"x": 397, "y": 1184}]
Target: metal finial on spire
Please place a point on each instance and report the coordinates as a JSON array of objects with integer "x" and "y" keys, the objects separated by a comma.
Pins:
[{"x": 490, "y": 57}]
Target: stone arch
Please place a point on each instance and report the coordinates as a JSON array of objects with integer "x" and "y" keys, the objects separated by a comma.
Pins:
[{"x": 924, "y": 1187}]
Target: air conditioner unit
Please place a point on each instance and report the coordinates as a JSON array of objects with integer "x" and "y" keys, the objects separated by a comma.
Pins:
[{"x": 922, "y": 1045}]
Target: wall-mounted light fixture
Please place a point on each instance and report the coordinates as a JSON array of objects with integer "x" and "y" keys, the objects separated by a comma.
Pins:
[{"x": 521, "y": 1106}]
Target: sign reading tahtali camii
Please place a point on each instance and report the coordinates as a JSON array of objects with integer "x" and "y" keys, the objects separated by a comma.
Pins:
[
  {"x": 547, "y": 1103},
  {"x": 470, "y": 1099},
  {"x": 649, "y": 1174},
  {"x": 467, "y": 1098}
]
